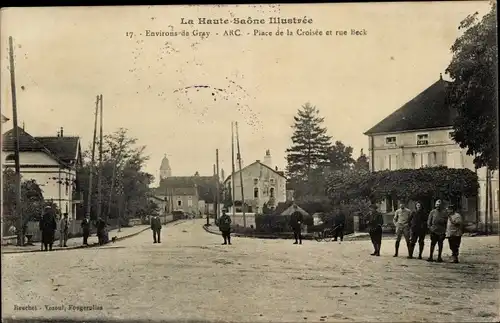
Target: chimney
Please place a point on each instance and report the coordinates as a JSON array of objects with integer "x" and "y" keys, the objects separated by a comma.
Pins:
[
  {"x": 276, "y": 168},
  {"x": 258, "y": 160},
  {"x": 62, "y": 131}
]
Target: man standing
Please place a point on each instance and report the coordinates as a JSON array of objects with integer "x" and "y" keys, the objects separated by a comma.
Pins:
[
  {"x": 295, "y": 223},
  {"x": 437, "y": 227},
  {"x": 48, "y": 226},
  {"x": 86, "y": 230},
  {"x": 101, "y": 225},
  {"x": 63, "y": 230},
  {"x": 402, "y": 224},
  {"x": 375, "y": 220},
  {"x": 418, "y": 229},
  {"x": 225, "y": 227},
  {"x": 339, "y": 226},
  {"x": 454, "y": 231},
  {"x": 156, "y": 228}
]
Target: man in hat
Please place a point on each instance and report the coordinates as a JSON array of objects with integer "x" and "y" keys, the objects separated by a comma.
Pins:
[
  {"x": 339, "y": 226},
  {"x": 418, "y": 229},
  {"x": 436, "y": 223},
  {"x": 48, "y": 226},
  {"x": 63, "y": 230},
  {"x": 296, "y": 219},
  {"x": 402, "y": 224},
  {"x": 156, "y": 228},
  {"x": 375, "y": 220},
  {"x": 454, "y": 231},
  {"x": 85, "y": 229},
  {"x": 225, "y": 227}
]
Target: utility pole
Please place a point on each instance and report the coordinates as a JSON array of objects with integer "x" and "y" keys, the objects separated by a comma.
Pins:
[
  {"x": 19, "y": 211},
  {"x": 492, "y": 201},
  {"x": 217, "y": 186},
  {"x": 241, "y": 177},
  {"x": 233, "y": 174},
  {"x": 487, "y": 204},
  {"x": 99, "y": 178},
  {"x": 92, "y": 163}
]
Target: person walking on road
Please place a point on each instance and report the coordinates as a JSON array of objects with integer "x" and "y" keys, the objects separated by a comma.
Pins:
[
  {"x": 339, "y": 226},
  {"x": 296, "y": 219},
  {"x": 454, "y": 231},
  {"x": 375, "y": 220},
  {"x": 63, "y": 230},
  {"x": 437, "y": 221},
  {"x": 101, "y": 226},
  {"x": 86, "y": 230},
  {"x": 418, "y": 229},
  {"x": 48, "y": 226},
  {"x": 156, "y": 228},
  {"x": 225, "y": 227},
  {"x": 402, "y": 224}
]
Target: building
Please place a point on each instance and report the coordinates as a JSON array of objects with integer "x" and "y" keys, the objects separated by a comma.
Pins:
[
  {"x": 261, "y": 184},
  {"x": 419, "y": 135},
  {"x": 52, "y": 162},
  {"x": 190, "y": 194}
]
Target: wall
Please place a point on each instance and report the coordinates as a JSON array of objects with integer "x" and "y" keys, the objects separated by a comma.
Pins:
[
  {"x": 47, "y": 175},
  {"x": 237, "y": 219},
  {"x": 264, "y": 175}
]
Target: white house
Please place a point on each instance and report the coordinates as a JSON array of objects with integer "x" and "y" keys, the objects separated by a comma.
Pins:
[
  {"x": 50, "y": 161},
  {"x": 261, "y": 184},
  {"x": 419, "y": 135}
]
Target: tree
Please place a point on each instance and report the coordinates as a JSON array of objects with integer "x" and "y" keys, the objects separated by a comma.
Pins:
[
  {"x": 32, "y": 201},
  {"x": 310, "y": 148},
  {"x": 473, "y": 92},
  {"x": 125, "y": 186},
  {"x": 340, "y": 156},
  {"x": 362, "y": 163}
]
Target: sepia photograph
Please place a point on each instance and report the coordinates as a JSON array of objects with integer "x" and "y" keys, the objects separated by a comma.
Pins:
[{"x": 322, "y": 162}]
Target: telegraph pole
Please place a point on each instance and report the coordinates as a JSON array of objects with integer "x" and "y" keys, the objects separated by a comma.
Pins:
[
  {"x": 19, "y": 211},
  {"x": 99, "y": 178},
  {"x": 92, "y": 163},
  {"x": 241, "y": 177},
  {"x": 233, "y": 174},
  {"x": 218, "y": 181}
]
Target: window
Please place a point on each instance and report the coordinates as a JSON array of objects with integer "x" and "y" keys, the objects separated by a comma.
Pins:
[
  {"x": 422, "y": 139},
  {"x": 390, "y": 140},
  {"x": 421, "y": 159},
  {"x": 179, "y": 203},
  {"x": 190, "y": 202},
  {"x": 10, "y": 157},
  {"x": 271, "y": 181},
  {"x": 255, "y": 181},
  {"x": 271, "y": 192},
  {"x": 391, "y": 162},
  {"x": 256, "y": 192},
  {"x": 454, "y": 159},
  {"x": 450, "y": 135},
  {"x": 496, "y": 201}
]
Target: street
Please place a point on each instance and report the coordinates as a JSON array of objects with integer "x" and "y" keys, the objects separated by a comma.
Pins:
[{"x": 191, "y": 276}]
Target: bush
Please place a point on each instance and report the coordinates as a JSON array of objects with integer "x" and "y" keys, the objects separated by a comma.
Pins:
[{"x": 268, "y": 223}]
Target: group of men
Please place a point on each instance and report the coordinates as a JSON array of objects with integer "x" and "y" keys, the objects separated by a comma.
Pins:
[
  {"x": 441, "y": 223},
  {"x": 48, "y": 227}
]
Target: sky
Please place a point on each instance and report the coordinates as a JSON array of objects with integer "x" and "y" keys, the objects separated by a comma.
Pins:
[{"x": 179, "y": 94}]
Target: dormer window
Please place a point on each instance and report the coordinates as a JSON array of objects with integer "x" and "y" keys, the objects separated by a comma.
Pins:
[
  {"x": 390, "y": 140},
  {"x": 422, "y": 139}
]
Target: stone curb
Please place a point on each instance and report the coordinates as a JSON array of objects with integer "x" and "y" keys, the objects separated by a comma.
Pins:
[{"x": 95, "y": 244}]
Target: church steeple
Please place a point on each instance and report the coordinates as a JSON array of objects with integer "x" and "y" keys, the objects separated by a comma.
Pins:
[{"x": 165, "y": 170}]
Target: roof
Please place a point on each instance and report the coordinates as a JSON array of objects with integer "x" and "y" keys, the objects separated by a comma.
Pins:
[
  {"x": 187, "y": 185},
  {"x": 63, "y": 149},
  {"x": 285, "y": 208},
  {"x": 187, "y": 181},
  {"x": 280, "y": 173},
  {"x": 184, "y": 191},
  {"x": 428, "y": 110}
]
